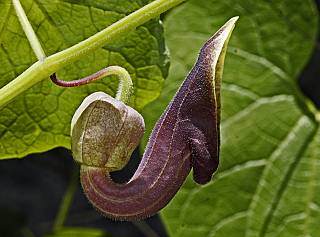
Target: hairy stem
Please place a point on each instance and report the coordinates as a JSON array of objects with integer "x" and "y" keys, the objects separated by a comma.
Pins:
[
  {"x": 125, "y": 83},
  {"x": 43, "y": 69}
]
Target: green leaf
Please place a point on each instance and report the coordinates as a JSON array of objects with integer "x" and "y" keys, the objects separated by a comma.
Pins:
[
  {"x": 40, "y": 119},
  {"x": 77, "y": 231},
  {"x": 267, "y": 182}
]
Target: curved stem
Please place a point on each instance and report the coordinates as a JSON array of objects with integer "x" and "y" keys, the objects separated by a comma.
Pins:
[
  {"x": 125, "y": 85},
  {"x": 43, "y": 69}
]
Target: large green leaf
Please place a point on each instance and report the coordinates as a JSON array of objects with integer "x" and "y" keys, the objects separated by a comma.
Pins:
[
  {"x": 267, "y": 183},
  {"x": 40, "y": 119}
]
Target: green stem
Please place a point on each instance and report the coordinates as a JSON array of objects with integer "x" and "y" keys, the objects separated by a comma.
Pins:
[
  {"x": 67, "y": 200},
  {"x": 27, "y": 28},
  {"x": 43, "y": 69},
  {"x": 125, "y": 83},
  {"x": 145, "y": 229}
]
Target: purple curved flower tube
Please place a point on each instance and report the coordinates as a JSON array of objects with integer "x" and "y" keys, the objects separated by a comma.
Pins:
[{"x": 186, "y": 137}]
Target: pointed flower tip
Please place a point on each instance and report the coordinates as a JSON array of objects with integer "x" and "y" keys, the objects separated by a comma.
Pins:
[
  {"x": 227, "y": 28},
  {"x": 232, "y": 21}
]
